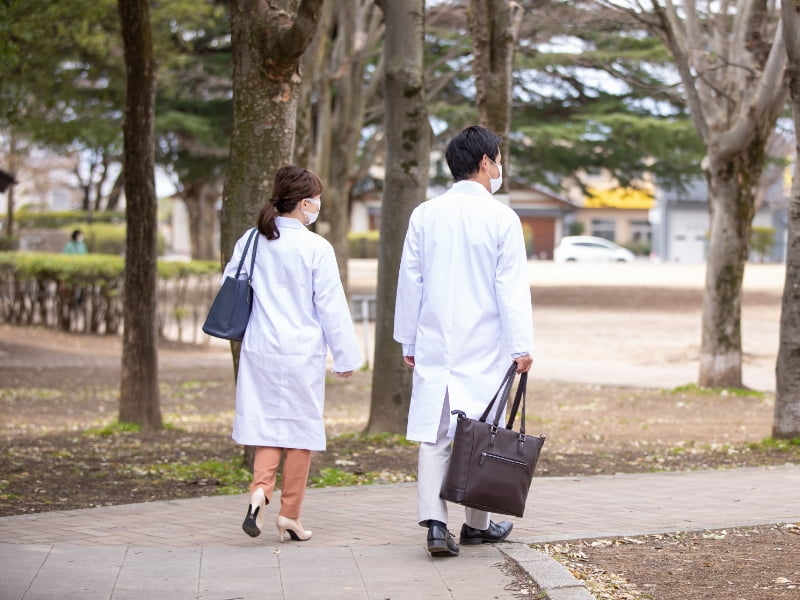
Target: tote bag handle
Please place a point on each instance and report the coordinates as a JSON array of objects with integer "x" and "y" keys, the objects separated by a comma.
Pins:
[
  {"x": 519, "y": 397},
  {"x": 504, "y": 391}
]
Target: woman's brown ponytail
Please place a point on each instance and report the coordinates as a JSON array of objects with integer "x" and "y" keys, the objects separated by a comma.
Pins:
[
  {"x": 292, "y": 184},
  {"x": 266, "y": 221}
]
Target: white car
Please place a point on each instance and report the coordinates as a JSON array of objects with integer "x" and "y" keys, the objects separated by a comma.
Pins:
[{"x": 587, "y": 248}]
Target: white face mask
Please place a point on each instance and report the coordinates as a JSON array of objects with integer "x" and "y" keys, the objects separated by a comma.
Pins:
[
  {"x": 312, "y": 217},
  {"x": 495, "y": 184}
]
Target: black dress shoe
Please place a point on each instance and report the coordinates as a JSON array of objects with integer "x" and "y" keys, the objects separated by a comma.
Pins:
[
  {"x": 440, "y": 541},
  {"x": 496, "y": 532}
]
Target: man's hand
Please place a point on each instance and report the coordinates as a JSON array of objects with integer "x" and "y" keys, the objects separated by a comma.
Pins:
[
  {"x": 524, "y": 363},
  {"x": 409, "y": 360},
  {"x": 344, "y": 374}
]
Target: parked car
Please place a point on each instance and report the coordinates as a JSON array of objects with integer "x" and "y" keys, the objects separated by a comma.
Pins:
[{"x": 587, "y": 248}]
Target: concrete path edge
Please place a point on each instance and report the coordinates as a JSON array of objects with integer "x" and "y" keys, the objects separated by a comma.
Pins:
[{"x": 553, "y": 578}]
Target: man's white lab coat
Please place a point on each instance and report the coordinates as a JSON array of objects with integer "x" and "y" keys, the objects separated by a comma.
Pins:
[{"x": 463, "y": 301}]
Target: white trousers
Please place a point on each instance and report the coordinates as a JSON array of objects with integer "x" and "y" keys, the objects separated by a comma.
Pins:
[{"x": 431, "y": 472}]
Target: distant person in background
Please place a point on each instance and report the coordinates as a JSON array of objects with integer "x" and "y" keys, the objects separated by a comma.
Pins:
[{"x": 76, "y": 245}]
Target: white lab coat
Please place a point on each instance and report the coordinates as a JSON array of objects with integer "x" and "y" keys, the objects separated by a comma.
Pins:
[
  {"x": 463, "y": 300},
  {"x": 299, "y": 311}
]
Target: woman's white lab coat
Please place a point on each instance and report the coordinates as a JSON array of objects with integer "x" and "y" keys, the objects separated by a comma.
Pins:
[
  {"x": 299, "y": 311},
  {"x": 463, "y": 300}
]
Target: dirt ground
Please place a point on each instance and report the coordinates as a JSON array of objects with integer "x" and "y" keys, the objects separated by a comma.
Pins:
[{"x": 59, "y": 393}]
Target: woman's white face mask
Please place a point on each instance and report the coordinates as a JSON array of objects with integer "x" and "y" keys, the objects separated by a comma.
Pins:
[{"x": 312, "y": 217}]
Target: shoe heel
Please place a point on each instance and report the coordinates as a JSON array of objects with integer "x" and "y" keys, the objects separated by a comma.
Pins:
[
  {"x": 254, "y": 520},
  {"x": 469, "y": 541},
  {"x": 293, "y": 527}
]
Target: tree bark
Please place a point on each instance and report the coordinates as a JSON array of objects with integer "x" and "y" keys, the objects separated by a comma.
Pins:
[
  {"x": 786, "y": 422},
  {"x": 116, "y": 189},
  {"x": 407, "y": 161},
  {"x": 268, "y": 40},
  {"x": 9, "y": 224},
  {"x": 13, "y": 164},
  {"x": 342, "y": 87},
  {"x": 139, "y": 396},
  {"x": 731, "y": 201},
  {"x": 101, "y": 181},
  {"x": 494, "y": 25},
  {"x": 200, "y": 197}
]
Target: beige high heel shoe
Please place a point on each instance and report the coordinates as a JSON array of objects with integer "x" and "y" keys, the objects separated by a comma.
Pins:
[
  {"x": 254, "y": 521},
  {"x": 294, "y": 527}
]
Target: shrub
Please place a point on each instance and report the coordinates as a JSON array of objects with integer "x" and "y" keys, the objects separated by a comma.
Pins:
[
  {"x": 363, "y": 244},
  {"x": 576, "y": 228},
  {"x": 639, "y": 248},
  {"x": 527, "y": 233},
  {"x": 31, "y": 218},
  {"x": 8, "y": 243},
  {"x": 83, "y": 293},
  {"x": 106, "y": 238},
  {"x": 762, "y": 239},
  {"x": 100, "y": 238}
]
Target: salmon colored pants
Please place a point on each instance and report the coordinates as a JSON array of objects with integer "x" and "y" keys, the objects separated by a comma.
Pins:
[{"x": 296, "y": 465}]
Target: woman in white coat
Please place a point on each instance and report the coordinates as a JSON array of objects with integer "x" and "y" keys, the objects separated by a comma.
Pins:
[{"x": 299, "y": 312}]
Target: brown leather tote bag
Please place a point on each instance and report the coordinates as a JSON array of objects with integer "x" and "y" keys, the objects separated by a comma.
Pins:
[{"x": 491, "y": 466}]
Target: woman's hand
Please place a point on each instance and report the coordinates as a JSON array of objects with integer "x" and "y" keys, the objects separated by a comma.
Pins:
[{"x": 344, "y": 374}]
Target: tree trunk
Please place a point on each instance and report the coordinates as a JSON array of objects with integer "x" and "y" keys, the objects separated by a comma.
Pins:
[
  {"x": 731, "y": 66},
  {"x": 267, "y": 46},
  {"x": 494, "y": 25},
  {"x": 337, "y": 219},
  {"x": 407, "y": 161},
  {"x": 14, "y": 161},
  {"x": 200, "y": 198},
  {"x": 9, "y": 225},
  {"x": 139, "y": 398},
  {"x": 342, "y": 85},
  {"x": 786, "y": 422},
  {"x": 731, "y": 202},
  {"x": 116, "y": 192},
  {"x": 267, "y": 40},
  {"x": 98, "y": 186}
]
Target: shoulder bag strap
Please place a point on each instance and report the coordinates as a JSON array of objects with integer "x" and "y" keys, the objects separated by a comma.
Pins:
[
  {"x": 244, "y": 253},
  {"x": 255, "y": 249}
]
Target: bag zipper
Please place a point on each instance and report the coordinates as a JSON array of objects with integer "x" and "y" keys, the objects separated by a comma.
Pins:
[{"x": 505, "y": 459}]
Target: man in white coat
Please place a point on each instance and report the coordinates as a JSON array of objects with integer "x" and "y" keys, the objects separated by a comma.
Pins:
[{"x": 463, "y": 313}]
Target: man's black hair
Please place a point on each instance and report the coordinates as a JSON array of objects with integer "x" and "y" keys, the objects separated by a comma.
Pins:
[
  {"x": 75, "y": 235},
  {"x": 465, "y": 151}
]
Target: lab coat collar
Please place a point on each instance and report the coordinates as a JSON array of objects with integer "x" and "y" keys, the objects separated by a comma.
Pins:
[
  {"x": 289, "y": 222},
  {"x": 466, "y": 186}
]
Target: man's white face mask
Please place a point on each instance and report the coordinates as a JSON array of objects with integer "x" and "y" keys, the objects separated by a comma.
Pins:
[{"x": 495, "y": 183}]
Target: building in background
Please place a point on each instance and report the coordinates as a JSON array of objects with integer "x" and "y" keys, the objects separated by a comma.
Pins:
[{"x": 681, "y": 222}]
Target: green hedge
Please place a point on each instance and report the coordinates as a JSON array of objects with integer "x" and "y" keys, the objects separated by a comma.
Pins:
[
  {"x": 84, "y": 292},
  {"x": 8, "y": 243},
  {"x": 100, "y": 238},
  {"x": 363, "y": 244},
  {"x": 638, "y": 248},
  {"x": 106, "y": 238},
  {"x": 27, "y": 217}
]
